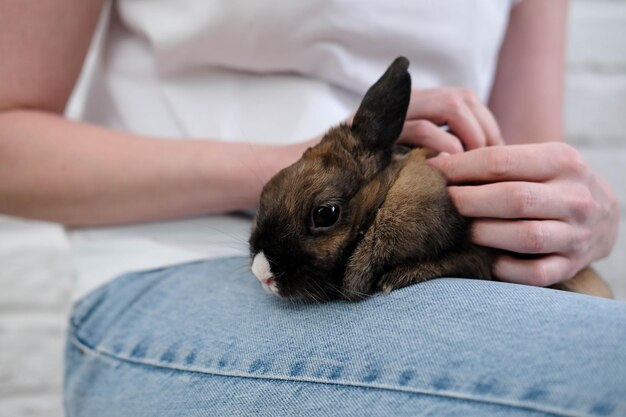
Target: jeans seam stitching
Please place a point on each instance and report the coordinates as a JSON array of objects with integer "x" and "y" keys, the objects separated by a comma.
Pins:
[
  {"x": 104, "y": 354},
  {"x": 75, "y": 326}
]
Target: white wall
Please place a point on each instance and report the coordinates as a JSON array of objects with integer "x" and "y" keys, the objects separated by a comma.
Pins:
[{"x": 33, "y": 311}]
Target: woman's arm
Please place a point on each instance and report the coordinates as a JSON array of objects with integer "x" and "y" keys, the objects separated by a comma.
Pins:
[
  {"x": 43, "y": 45},
  {"x": 77, "y": 174},
  {"x": 527, "y": 94},
  {"x": 539, "y": 199}
]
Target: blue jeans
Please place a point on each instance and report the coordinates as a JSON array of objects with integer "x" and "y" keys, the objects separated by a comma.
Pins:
[{"x": 203, "y": 339}]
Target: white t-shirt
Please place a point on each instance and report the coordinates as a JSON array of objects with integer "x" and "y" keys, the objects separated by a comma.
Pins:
[{"x": 260, "y": 71}]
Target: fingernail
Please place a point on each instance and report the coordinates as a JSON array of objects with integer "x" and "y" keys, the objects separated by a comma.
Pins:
[{"x": 443, "y": 154}]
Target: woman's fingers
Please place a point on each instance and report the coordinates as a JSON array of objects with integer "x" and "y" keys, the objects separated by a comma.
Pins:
[
  {"x": 459, "y": 109},
  {"x": 522, "y": 200},
  {"x": 534, "y": 162},
  {"x": 488, "y": 123},
  {"x": 541, "y": 272},
  {"x": 425, "y": 133},
  {"x": 538, "y": 199},
  {"x": 525, "y": 236},
  {"x": 464, "y": 124}
]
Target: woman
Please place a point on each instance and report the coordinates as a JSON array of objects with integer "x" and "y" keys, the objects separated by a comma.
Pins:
[{"x": 200, "y": 337}]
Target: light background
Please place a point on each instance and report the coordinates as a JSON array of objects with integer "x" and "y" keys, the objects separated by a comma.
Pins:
[{"x": 33, "y": 311}]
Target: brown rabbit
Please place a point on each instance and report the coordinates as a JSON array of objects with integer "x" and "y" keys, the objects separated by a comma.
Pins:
[{"x": 356, "y": 215}]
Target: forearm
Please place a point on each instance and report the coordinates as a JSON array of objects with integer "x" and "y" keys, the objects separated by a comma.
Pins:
[
  {"x": 78, "y": 174},
  {"x": 527, "y": 93}
]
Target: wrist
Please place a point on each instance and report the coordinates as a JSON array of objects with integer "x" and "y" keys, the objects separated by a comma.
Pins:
[
  {"x": 277, "y": 157},
  {"x": 238, "y": 171}
]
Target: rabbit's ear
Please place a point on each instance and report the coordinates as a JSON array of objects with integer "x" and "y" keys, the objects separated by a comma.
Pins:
[{"x": 379, "y": 120}]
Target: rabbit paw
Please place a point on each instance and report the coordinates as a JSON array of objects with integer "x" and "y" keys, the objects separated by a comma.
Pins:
[{"x": 387, "y": 287}]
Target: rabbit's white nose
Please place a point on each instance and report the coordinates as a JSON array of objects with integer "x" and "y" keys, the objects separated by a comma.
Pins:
[{"x": 261, "y": 269}]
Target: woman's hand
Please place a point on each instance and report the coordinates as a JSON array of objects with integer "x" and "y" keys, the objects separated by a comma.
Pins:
[
  {"x": 536, "y": 199},
  {"x": 471, "y": 125}
]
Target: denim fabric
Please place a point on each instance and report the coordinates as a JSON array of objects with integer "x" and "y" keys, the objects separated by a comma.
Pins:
[{"x": 203, "y": 339}]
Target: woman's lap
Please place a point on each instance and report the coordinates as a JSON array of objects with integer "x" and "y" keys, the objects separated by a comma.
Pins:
[{"x": 204, "y": 339}]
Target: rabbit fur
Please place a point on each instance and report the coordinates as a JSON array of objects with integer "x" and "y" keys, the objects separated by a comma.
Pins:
[{"x": 388, "y": 220}]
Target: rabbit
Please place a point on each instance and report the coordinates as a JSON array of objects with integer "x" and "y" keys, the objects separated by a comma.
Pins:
[{"x": 357, "y": 215}]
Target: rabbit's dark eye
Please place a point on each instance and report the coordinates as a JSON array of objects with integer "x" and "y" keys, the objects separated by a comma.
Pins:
[{"x": 326, "y": 215}]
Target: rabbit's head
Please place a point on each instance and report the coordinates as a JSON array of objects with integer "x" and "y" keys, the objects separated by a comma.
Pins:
[{"x": 314, "y": 213}]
